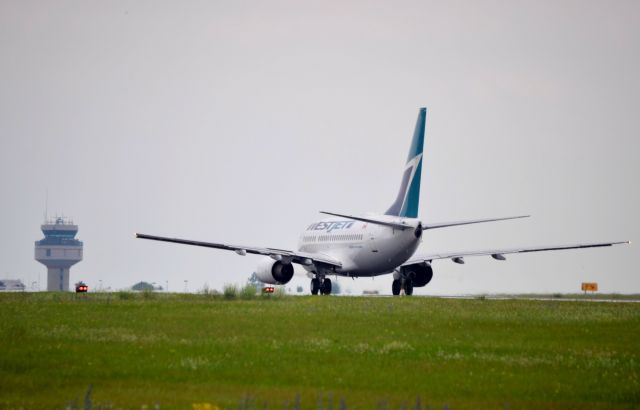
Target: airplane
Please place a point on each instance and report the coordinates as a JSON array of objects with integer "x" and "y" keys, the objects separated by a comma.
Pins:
[{"x": 370, "y": 244}]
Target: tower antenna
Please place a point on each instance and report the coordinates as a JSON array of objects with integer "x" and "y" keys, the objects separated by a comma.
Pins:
[{"x": 46, "y": 205}]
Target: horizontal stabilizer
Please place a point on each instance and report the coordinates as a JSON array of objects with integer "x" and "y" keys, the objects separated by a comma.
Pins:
[
  {"x": 469, "y": 222},
  {"x": 396, "y": 225}
]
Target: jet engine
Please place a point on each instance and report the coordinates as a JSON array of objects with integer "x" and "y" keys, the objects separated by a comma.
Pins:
[
  {"x": 274, "y": 272},
  {"x": 420, "y": 273}
]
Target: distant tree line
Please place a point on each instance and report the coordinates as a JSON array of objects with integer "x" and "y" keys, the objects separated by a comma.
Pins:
[{"x": 145, "y": 286}]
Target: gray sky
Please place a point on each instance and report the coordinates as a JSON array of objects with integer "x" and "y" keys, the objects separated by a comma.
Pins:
[{"x": 237, "y": 121}]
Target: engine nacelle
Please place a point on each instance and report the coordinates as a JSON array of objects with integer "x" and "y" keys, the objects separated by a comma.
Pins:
[
  {"x": 274, "y": 272},
  {"x": 420, "y": 273}
]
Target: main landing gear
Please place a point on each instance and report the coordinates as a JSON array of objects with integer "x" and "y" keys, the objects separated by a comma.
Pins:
[
  {"x": 321, "y": 285},
  {"x": 399, "y": 284}
]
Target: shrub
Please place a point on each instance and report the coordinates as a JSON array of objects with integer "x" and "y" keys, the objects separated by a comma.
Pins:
[
  {"x": 230, "y": 291},
  {"x": 125, "y": 295},
  {"x": 248, "y": 291},
  {"x": 207, "y": 291},
  {"x": 148, "y": 294}
]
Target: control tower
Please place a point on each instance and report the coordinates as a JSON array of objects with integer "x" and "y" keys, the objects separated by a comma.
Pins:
[{"x": 58, "y": 251}]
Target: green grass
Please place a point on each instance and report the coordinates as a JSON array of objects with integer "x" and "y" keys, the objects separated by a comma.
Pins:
[{"x": 180, "y": 350}]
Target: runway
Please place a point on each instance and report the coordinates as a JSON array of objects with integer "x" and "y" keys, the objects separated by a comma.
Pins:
[
  {"x": 547, "y": 299},
  {"x": 622, "y": 299}
]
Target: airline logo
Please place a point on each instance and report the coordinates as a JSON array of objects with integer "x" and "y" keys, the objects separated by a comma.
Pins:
[
  {"x": 410, "y": 203},
  {"x": 330, "y": 226}
]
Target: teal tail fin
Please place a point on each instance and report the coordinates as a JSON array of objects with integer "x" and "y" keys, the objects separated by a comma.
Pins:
[{"x": 408, "y": 200}]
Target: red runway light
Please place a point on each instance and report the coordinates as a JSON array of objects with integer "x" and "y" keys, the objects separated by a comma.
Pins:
[{"x": 81, "y": 287}]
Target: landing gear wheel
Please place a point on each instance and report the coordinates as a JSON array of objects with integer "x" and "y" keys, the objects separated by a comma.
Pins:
[
  {"x": 408, "y": 287},
  {"x": 326, "y": 287},
  {"x": 395, "y": 287},
  {"x": 315, "y": 286}
]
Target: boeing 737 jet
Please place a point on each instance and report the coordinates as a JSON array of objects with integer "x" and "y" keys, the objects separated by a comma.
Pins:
[{"x": 370, "y": 244}]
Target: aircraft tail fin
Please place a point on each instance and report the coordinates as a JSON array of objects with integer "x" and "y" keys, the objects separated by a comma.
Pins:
[{"x": 408, "y": 199}]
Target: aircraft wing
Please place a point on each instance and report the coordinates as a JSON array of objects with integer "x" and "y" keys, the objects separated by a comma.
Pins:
[
  {"x": 302, "y": 258},
  {"x": 499, "y": 253}
]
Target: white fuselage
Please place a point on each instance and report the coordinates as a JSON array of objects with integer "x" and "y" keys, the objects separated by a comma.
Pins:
[{"x": 363, "y": 248}]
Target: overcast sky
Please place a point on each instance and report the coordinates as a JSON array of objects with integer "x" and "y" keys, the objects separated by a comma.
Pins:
[{"x": 236, "y": 121}]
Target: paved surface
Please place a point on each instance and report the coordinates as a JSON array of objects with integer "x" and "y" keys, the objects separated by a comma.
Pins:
[
  {"x": 536, "y": 298},
  {"x": 498, "y": 297}
]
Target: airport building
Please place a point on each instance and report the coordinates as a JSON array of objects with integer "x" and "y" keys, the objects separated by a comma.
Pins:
[
  {"x": 11, "y": 285},
  {"x": 58, "y": 251}
]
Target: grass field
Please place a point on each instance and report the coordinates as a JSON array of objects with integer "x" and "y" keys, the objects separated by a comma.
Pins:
[{"x": 199, "y": 352}]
